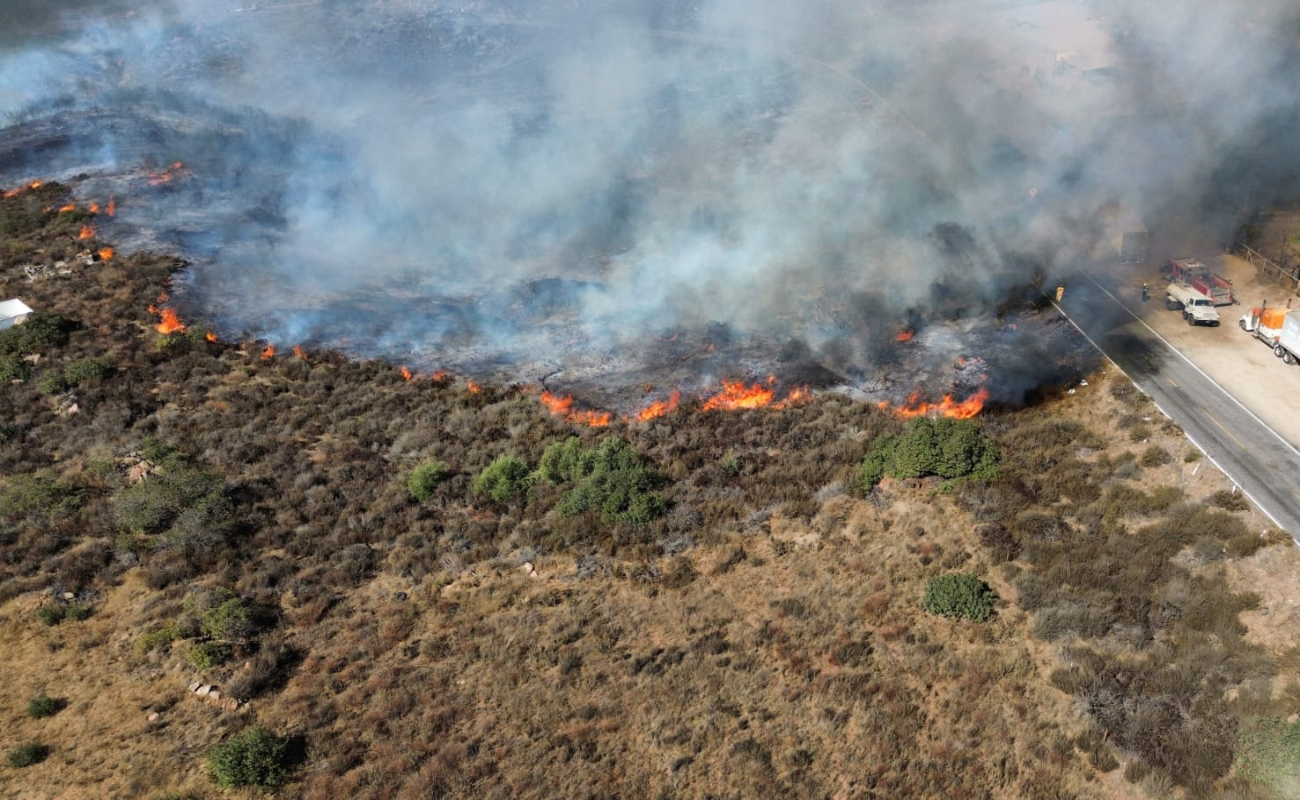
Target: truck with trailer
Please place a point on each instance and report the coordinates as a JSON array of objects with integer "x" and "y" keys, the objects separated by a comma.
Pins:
[
  {"x": 1196, "y": 275},
  {"x": 1196, "y": 307},
  {"x": 1278, "y": 328}
]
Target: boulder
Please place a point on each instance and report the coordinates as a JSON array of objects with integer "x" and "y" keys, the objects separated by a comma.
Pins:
[{"x": 204, "y": 691}]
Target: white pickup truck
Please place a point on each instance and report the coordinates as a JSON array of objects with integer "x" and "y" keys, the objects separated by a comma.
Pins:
[{"x": 1197, "y": 308}]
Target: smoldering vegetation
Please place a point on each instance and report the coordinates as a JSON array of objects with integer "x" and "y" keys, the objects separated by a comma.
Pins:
[
  {"x": 253, "y": 519},
  {"x": 376, "y": 180}
]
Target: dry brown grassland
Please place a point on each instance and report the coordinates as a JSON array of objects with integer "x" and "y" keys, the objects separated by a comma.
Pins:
[{"x": 764, "y": 637}]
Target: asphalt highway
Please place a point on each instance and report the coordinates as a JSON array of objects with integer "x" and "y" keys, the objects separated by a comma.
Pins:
[{"x": 1258, "y": 460}]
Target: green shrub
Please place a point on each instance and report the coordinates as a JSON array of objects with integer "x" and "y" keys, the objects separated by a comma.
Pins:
[
  {"x": 41, "y": 331},
  {"x": 40, "y": 492},
  {"x": 507, "y": 477},
  {"x": 154, "y": 639},
  {"x": 612, "y": 479},
  {"x": 1192, "y": 457},
  {"x": 959, "y": 596},
  {"x": 206, "y": 655},
  {"x": 176, "y": 494},
  {"x": 216, "y": 614},
  {"x": 42, "y": 706},
  {"x": 253, "y": 757},
  {"x": 76, "y": 612},
  {"x": 425, "y": 478},
  {"x": 51, "y": 615},
  {"x": 948, "y": 448},
  {"x": 25, "y": 755},
  {"x": 14, "y": 368},
  {"x": 58, "y": 381}
]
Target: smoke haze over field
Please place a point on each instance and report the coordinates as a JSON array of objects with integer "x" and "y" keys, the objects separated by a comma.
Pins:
[{"x": 397, "y": 177}]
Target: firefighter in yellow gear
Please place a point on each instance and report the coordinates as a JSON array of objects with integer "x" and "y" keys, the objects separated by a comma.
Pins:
[{"x": 1060, "y": 292}]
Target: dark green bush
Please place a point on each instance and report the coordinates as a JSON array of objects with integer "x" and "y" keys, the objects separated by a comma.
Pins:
[
  {"x": 253, "y": 757},
  {"x": 179, "y": 495},
  {"x": 612, "y": 479},
  {"x": 948, "y": 448},
  {"x": 425, "y": 478},
  {"x": 506, "y": 478},
  {"x": 959, "y": 596},
  {"x": 51, "y": 615},
  {"x": 217, "y": 615},
  {"x": 205, "y": 655},
  {"x": 14, "y": 368},
  {"x": 40, "y": 492},
  {"x": 25, "y": 755},
  {"x": 41, "y": 331},
  {"x": 42, "y": 706},
  {"x": 58, "y": 381}
]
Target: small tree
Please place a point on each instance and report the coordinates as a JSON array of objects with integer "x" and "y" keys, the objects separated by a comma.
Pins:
[
  {"x": 42, "y": 706},
  {"x": 425, "y": 478},
  {"x": 253, "y": 757},
  {"x": 959, "y": 596},
  {"x": 505, "y": 478}
]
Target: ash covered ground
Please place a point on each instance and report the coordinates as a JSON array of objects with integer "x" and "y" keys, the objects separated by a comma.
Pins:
[{"x": 621, "y": 200}]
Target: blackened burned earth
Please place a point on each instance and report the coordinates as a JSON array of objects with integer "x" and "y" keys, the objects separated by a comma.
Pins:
[{"x": 570, "y": 276}]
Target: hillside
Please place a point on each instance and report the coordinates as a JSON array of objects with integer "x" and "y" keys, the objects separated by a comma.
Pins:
[{"x": 710, "y": 603}]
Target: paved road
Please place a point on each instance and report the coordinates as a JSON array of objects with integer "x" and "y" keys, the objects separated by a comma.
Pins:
[{"x": 1265, "y": 466}]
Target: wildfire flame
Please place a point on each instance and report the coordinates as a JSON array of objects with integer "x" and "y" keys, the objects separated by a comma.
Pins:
[
  {"x": 170, "y": 323},
  {"x": 105, "y": 254},
  {"x": 87, "y": 232},
  {"x": 94, "y": 208},
  {"x": 112, "y": 206},
  {"x": 473, "y": 387},
  {"x": 21, "y": 189},
  {"x": 212, "y": 337},
  {"x": 658, "y": 408},
  {"x": 165, "y": 175},
  {"x": 905, "y": 335},
  {"x": 441, "y": 375},
  {"x": 947, "y": 407},
  {"x": 269, "y": 352},
  {"x": 299, "y": 352},
  {"x": 406, "y": 373},
  {"x": 562, "y": 406},
  {"x": 735, "y": 395},
  {"x": 67, "y": 208}
]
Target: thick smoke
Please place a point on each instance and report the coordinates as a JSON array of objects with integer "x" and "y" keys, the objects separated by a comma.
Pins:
[{"x": 500, "y": 186}]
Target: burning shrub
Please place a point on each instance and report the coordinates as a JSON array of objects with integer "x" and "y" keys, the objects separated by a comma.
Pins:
[
  {"x": 949, "y": 448},
  {"x": 507, "y": 477},
  {"x": 959, "y": 597},
  {"x": 612, "y": 479},
  {"x": 425, "y": 478}
]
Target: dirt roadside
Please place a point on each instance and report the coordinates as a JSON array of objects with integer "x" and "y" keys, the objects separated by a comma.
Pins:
[{"x": 1241, "y": 364}]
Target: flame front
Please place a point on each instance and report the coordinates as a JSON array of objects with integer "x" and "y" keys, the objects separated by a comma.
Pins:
[
  {"x": 105, "y": 254},
  {"x": 299, "y": 352},
  {"x": 211, "y": 337},
  {"x": 905, "y": 335},
  {"x": 67, "y": 208},
  {"x": 269, "y": 352},
  {"x": 658, "y": 408},
  {"x": 947, "y": 407},
  {"x": 112, "y": 206},
  {"x": 406, "y": 373},
  {"x": 473, "y": 387},
  {"x": 170, "y": 322},
  {"x": 93, "y": 208},
  {"x": 562, "y": 406},
  {"x": 165, "y": 175},
  {"x": 87, "y": 232},
  {"x": 735, "y": 395}
]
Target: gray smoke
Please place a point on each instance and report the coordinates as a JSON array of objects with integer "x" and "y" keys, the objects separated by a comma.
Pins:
[{"x": 493, "y": 185}]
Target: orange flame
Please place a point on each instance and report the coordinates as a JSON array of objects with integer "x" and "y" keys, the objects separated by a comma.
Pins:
[
  {"x": 170, "y": 322},
  {"x": 87, "y": 232},
  {"x": 67, "y": 208},
  {"x": 21, "y": 189},
  {"x": 212, "y": 337},
  {"x": 105, "y": 254},
  {"x": 658, "y": 408},
  {"x": 299, "y": 352},
  {"x": 269, "y": 352},
  {"x": 736, "y": 395},
  {"x": 112, "y": 206},
  {"x": 947, "y": 407},
  {"x": 94, "y": 208},
  {"x": 441, "y": 375},
  {"x": 406, "y": 373},
  {"x": 800, "y": 394},
  {"x": 562, "y": 406},
  {"x": 165, "y": 175},
  {"x": 473, "y": 387},
  {"x": 905, "y": 335}
]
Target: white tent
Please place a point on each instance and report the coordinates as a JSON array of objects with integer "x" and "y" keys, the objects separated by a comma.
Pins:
[{"x": 13, "y": 312}]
